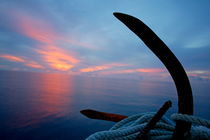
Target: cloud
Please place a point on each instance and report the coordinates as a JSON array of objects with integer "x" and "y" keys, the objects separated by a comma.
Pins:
[
  {"x": 57, "y": 58},
  {"x": 150, "y": 70},
  {"x": 34, "y": 64},
  {"x": 36, "y": 29},
  {"x": 102, "y": 67},
  {"x": 199, "y": 74},
  {"x": 125, "y": 71},
  {"x": 12, "y": 58},
  {"x": 18, "y": 59},
  {"x": 140, "y": 70},
  {"x": 63, "y": 37},
  {"x": 47, "y": 39},
  {"x": 197, "y": 43},
  {"x": 43, "y": 31}
]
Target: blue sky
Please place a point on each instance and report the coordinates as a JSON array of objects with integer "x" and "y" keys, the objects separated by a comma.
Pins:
[{"x": 84, "y": 38}]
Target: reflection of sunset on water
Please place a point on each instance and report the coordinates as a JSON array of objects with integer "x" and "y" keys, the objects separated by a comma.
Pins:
[
  {"x": 52, "y": 97},
  {"x": 56, "y": 97}
]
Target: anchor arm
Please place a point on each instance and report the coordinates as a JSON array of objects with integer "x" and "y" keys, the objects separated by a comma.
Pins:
[{"x": 160, "y": 49}]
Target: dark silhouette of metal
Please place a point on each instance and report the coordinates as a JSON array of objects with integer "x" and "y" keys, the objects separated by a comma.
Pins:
[
  {"x": 160, "y": 49},
  {"x": 184, "y": 91},
  {"x": 151, "y": 124},
  {"x": 93, "y": 114}
]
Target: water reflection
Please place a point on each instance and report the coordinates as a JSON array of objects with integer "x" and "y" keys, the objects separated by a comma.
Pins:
[
  {"x": 49, "y": 97},
  {"x": 150, "y": 88},
  {"x": 36, "y": 106},
  {"x": 56, "y": 94}
]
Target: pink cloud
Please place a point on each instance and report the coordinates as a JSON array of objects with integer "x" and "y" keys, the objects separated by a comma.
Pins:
[
  {"x": 12, "y": 58},
  {"x": 33, "y": 64},
  {"x": 36, "y": 30},
  {"x": 49, "y": 49},
  {"x": 43, "y": 31},
  {"x": 24, "y": 61},
  {"x": 102, "y": 67},
  {"x": 141, "y": 70},
  {"x": 203, "y": 74},
  {"x": 57, "y": 58},
  {"x": 150, "y": 70}
]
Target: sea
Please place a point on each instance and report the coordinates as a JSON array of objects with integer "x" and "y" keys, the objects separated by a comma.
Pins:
[{"x": 40, "y": 106}]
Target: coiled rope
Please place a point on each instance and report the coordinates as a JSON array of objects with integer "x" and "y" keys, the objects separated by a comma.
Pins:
[{"x": 129, "y": 128}]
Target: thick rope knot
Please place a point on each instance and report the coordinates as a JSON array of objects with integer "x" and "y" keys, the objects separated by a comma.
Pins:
[
  {"x": 129, "y": 128},
  {"x": 200, "y": 127}
]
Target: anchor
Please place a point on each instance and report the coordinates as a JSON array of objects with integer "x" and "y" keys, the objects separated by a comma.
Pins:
[{"x": 174, "y": 67}]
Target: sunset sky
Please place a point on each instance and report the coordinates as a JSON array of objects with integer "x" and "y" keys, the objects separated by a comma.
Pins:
[{"x": 82, "y": 37}]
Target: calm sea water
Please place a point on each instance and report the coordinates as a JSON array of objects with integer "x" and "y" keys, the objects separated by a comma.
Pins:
[{"x": 47, "y": 106}]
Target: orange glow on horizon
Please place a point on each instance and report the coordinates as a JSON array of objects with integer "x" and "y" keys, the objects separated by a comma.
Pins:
[
  {"x": 57, "y": 58},
  {"x": 127, "y": 71},
  {"x": 34, "y": 65},
  {"x": 101, "y": 67},
  {"x": 96, "y": 68},
  {"x": 150, "y": 70},
  {"x": 61, "y": 66}
]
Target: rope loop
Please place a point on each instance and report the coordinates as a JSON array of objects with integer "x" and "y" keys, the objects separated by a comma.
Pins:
[{"x": 129, "y": 128}]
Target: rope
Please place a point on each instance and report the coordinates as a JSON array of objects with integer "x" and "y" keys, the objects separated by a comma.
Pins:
[
  {"x": 191, "y": 119},
  {"x": 129, "y": 128}
]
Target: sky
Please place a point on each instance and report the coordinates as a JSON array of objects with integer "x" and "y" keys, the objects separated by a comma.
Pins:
[{"x": 82, "y": 37}]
